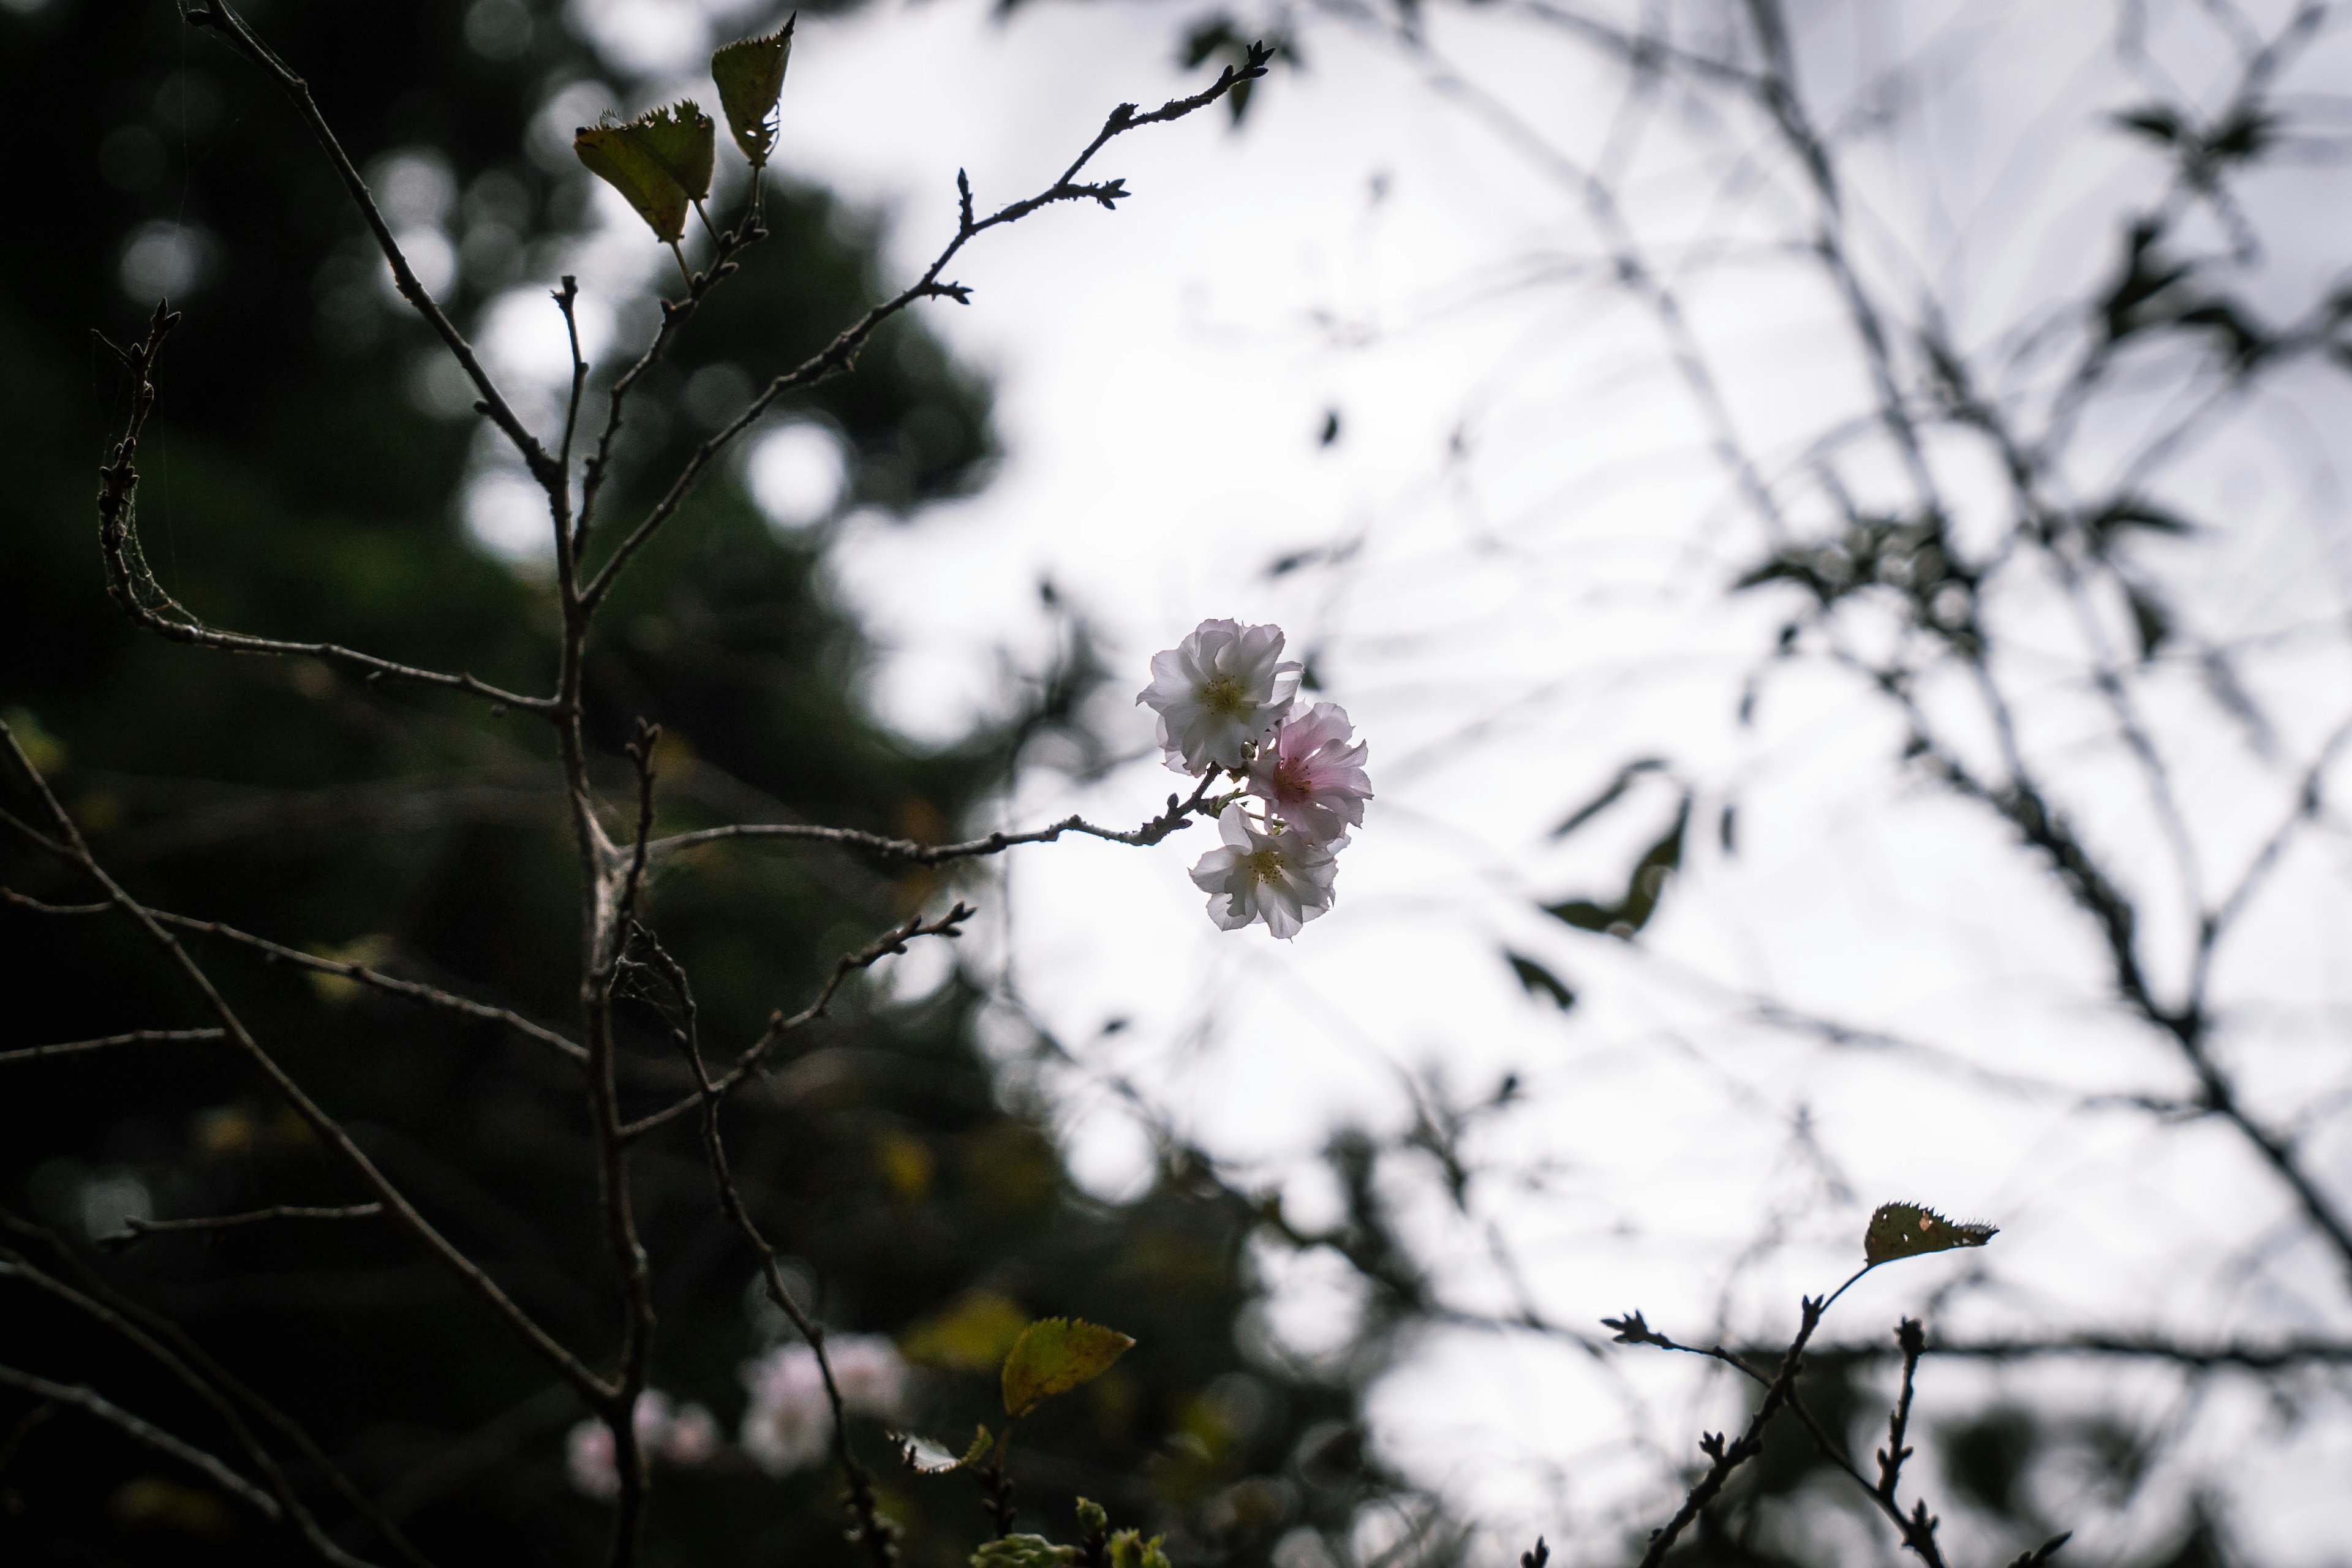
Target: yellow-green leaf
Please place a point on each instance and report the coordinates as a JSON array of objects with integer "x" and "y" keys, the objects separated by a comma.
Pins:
[
  {"x": 1055, "y": 1355},
  {"x": 1023, "y": 1551},
  {"x": 1907, "y": 1230},
  {"x": 751, "y": 78},
  {"x": 1129, "y": 1549},
  {"x": 682, "y": 139},
  {"x": 616, "y": 157}
]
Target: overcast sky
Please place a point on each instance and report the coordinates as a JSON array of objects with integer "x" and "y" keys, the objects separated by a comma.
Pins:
[{"x": 1535, "y": 545}]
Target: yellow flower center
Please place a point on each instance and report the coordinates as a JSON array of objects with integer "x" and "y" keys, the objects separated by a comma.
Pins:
[
  {"x": 1224, "y": 696},
  {"x": 1265, "y": 864}
]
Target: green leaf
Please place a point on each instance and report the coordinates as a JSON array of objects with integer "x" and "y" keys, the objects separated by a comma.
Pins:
[
  {"x": 621, "y": 161},
  {"x": 682, "y": 139},
  {"x": 1907, "y": 1230},
  {"x": 1129, "y": 1549},
  {"x": 926, "y": 1457},
  {"x": 1055, "y": 1355},
  {"x": 751, "y": 78},
  {"x": 1023, "y": 1551}
]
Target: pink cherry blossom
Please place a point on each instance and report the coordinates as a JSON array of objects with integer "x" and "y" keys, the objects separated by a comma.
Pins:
[
  {"x": 1278, "y": 877},
  {"x": 790, "y": 1422},
  {"x": 588, "y": 1460},
  {"x": 1311, "y": 778},
  {"x": 1219, "y": 694},
  {"x": 691, "y": 1439},
  {"x": 680, "y": 1436}
]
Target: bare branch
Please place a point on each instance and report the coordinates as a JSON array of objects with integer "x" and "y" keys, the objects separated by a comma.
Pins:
[
  {"x": 215, "y": 15},
  {"x": 278, "y": 953},
  {"x": 329, "y": 1130},
  {"x": 1728, "y": 1457},
  {"x": 147, "y": 1433},
  {"x": 746, "y": 232},
  {"x": 97, "y": 1290},
  {"x": 133, "y": 588},
  {"x": 1178, "y": 814},
  {"x": 15, "y": 1265},
  {"x": 140, "y": 1229},
  {"x": 841, "y": 352},
  {"x": 878, "y": 1534},
  {"x": 134, "y": 1038},
  {"x": 948, "y": 925}
]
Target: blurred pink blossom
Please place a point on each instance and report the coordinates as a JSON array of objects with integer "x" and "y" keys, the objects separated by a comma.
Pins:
[
  {"x": 683, "y": 1435},
  {"x": 789, "y": 1423}
]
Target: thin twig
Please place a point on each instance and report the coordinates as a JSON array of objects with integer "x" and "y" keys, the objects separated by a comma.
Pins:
[
  {"x": 134, "y": 1038},
  {"x": 1178, "y": 812},
  {"x": 216, "y": 16},
  {"x": 878, "y": 1534},
  {"x": 97, "y": 1288},
  {"x": 841, "y": 352},
  {"x": 341, "y": 969},
  {"x": 329, "y": 1130},
  {"x": 135, "y": 590},
  {"x": 628, "y": 1252},
  {"x": 1727, "y": 1457},
  {"x": 15, "y": 1266},
  {"x": 144, "y": 1432},
  {"x": 138, "y": 1229},
  {"x": 894, "y": 941}
]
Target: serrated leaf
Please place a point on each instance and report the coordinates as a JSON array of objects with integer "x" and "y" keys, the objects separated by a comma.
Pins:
[
  {"x": 926, "y": 1457},
  {"x": 751, "y": 78},
  {"x": 1907, "y": 1230},
  {"x": 1055, "y": 1355},
  {"x": 682, "y": 139},
  {"x": 617, "y": 158},
  {"x": 1129, "y": 1549}
]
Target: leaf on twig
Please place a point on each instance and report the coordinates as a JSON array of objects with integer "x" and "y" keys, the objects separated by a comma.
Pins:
[
  {"x": 617, "y": 156},
  {"x": 1631, "y": 1330},
  {"x": 1129, "y": 1549},
  {"x": 926, "y": 1457},
  {"x": 1055, "y": 1355},
  {"x": 1023, "y": 1551},
  {"x": 1907, "y": 1230},
  {"x": 681, "y": 139},
  {"x": 751, "y": 78}
]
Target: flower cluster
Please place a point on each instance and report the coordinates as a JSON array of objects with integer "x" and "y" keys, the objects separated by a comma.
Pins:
[
  {"x": 790, "y": 1420},
  {"x": 678, "y": 1434},
  {"x": 1227, "y": 703}
]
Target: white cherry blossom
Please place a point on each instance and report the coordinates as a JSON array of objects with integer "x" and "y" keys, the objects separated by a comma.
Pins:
[
  {"x": 1277, "y": 876},
  {"x": 1218, "y": 694}
]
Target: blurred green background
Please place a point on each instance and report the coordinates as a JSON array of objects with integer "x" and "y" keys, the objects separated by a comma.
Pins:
[{"x": 296, "y": 485}]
